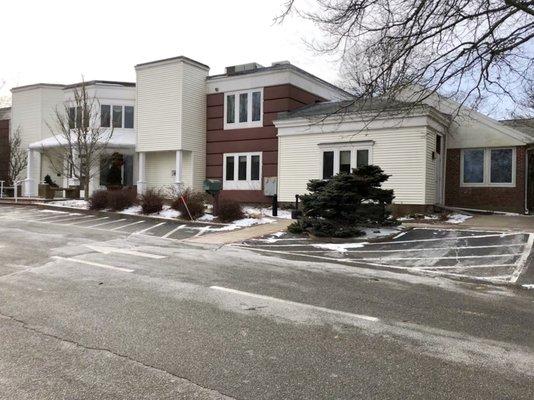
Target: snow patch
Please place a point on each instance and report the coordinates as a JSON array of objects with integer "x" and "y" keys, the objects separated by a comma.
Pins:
[
  {"x": 81, "y": 204},
  {"x": 458, "y": 218},
  {"x": 243, "y": 223},
  {"x": 207, "y": 217},
  {"x": 266, "y": 212},
  {"x": 340, "y": 247}
]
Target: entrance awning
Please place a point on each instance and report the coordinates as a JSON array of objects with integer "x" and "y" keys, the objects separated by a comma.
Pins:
[{"x": 118, "y": 140}]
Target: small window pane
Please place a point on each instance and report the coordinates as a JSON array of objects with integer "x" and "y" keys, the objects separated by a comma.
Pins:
[
  {"x": 256, "y": 106},
  {"x": 255, "y": 168},
  {"x": 128, "y": 117},
  {"x": 230, "y": 109},
  {"x": 474, "y": 166},
  {"x": 79, "y": 114},
  {"x": 105, "y": 116},
  {"x": 362, "y": 158},
  {"x": 344, "y": 162},
  {"x": 230, "y": 168},
  {"x": 438, "y": 144},
  {"x": 242, "y": 168},
  {"x": 243, "y": 107},
  {"x": 501, "y": 166},
  {"x": 328, "y": 164},
  {"x": 117, "y": 116},
  {"x": 72, "y": 117}
]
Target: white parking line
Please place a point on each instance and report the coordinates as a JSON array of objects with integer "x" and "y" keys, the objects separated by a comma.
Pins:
[
  {"x": 203, "y": 230},
  {"x": 522, "y": 263},
  {"x": 149, "y": 228},
  {"x": 466, "y": 266},
  {"x": 76, "y": 218},
  {"x": 93, "y": 264},
  {"x": 294, "y": 303},
  {"x": 438, "y": 258},
  {"x": 173, "y": 231},
  {"x": 106, "y": 223},
  {"x": 127, "y": 225},
  {"x": 82, "y": 222},
  {"x": 53, "y": 217}
]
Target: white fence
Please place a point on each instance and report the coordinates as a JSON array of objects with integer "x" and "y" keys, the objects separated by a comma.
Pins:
[{"x": 14, "y": 187}]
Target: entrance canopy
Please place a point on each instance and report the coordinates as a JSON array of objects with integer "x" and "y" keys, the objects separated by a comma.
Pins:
[{"x": 118, "y": 140}]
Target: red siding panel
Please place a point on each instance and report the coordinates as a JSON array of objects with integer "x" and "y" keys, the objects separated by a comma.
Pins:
[{"x": 4, "y": 149}]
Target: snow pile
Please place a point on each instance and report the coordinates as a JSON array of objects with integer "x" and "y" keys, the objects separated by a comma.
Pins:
[
  {"x": 340, "y": 247},
  {"x": 266, "y": 211},
  {"x": 458, "y": 218},
  {"x": 243, "y": 223},
  {"x": 81, "y": 204},
  {"x": 207, "y": 217},
  {"x": 133, "y": 210},
  {"x": 167, "y": 212}
]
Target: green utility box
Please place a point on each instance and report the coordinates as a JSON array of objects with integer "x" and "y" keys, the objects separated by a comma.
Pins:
[{"x": 212, "y": 186}]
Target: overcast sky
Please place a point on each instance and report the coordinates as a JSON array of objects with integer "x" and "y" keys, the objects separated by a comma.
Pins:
[{"x": 56, "y": 41}]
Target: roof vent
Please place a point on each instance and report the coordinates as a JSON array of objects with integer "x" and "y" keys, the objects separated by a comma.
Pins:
[
  {"x": 285, "y": 62},
  {"x": 234, "y": 69}
]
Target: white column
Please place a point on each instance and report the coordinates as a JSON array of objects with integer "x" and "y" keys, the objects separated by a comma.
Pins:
[
  {"x": 179, "y": 169},
  {"x": 141, "y": 183},
  {"x": 28, "y": 182}
]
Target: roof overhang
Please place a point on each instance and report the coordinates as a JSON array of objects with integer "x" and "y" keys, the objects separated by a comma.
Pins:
[{"x": 111, "y": 139}]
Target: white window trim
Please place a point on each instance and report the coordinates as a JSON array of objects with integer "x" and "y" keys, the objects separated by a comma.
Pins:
[
  {"x": 487, "y": 168},
  {"x": 353, "y": 154},
  {"x": 249, "y": 124},
  {"x": 123, "y": 107},
  {"x": 247, "y": 184}
]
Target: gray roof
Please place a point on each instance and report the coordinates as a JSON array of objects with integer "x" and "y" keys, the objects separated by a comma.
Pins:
[
  {"x": 100, "y": 82},
  {"x": 525, "y": 125},
  {"x": 182, "y": 58},
  {"x": 349, "y": 106}
]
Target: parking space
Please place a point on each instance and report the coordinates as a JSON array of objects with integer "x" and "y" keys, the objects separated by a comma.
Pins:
[
  {"x": 126, "y": 224},
  {"x": 485, "y": 255}
]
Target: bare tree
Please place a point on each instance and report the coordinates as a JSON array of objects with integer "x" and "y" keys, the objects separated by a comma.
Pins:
[
  {"x": 5, "y": 101},
  {"x": 470, "y": 49},
  {"x": 82, "y": 142},
  {"x": 18, "y": 158}
]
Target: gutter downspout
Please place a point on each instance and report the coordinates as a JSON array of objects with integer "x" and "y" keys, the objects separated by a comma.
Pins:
[{"x": 527, "y": 150}]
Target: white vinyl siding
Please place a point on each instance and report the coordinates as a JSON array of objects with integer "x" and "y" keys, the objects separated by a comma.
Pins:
[
  {"x": 401, "y": 153},
  {"x": 431, "y": 165}
]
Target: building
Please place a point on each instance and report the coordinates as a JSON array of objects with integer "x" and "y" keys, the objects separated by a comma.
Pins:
[
  {"x": 178, "y": 125},
  {"x": 5, "y": 116}
]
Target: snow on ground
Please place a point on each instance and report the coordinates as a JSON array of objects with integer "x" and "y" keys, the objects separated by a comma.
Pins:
[
  {"x": 167, "y": 212},
  {"x": 458, "y": 218},
  {"x": 373, "y": 233},
  {"x": 266, "y": 211},
  {"x": 243, "y": 223},
  {"x": 207, "y": 217},
  {"x": 133, "y": 210},
  {"x": 81, "y": 204}
]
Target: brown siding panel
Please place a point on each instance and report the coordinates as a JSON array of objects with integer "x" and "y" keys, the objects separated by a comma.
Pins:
[{"x": 510, "y": 199}]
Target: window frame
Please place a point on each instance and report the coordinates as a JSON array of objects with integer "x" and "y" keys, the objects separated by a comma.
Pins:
[
  {"x": 353, "y": 148},
  {"x": 486, "y": 181},
  {"x": 247, "y": 184},
  {"x": 249, "y": 123}
]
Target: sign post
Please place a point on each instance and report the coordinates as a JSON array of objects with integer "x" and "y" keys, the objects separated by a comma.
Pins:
[{"x": 270, "y": 189}]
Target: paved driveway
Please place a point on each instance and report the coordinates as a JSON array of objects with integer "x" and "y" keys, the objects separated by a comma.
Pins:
[
  {"x": 116, "y": 223},
  {"x": 492, "y": 256}
]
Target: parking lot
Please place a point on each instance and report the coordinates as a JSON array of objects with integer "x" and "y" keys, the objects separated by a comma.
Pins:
[
  {"x": 485, "y": 255},
  {"x": 116, "y": 223}
]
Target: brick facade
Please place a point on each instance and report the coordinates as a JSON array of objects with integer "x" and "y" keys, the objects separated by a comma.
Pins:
[
  {"x": 509, "y": 199},
  {"x": 4, "y": 149},
  {"x": 219, "y": 141}
]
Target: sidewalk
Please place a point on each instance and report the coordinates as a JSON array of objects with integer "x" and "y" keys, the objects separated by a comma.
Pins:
[
  {"x": 524, "y": 223},
  {"x": 242, "y": 234}
]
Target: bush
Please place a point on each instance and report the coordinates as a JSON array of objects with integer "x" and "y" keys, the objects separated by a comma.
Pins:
[
  {"x": 229, "y": 210},
  {"x": 98, "y": 200},
  {"x": 152, "y": 201},
  {"x": 338, "y": 207},
  {"x": 196, "y": 203},
  {"x": 118, "y": 200}
]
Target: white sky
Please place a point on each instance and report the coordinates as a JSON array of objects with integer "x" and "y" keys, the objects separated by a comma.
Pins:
[{"x": 56, "y": 41}]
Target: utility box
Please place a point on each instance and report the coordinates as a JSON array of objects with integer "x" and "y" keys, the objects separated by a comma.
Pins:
[
  {"x": 212, "y": 186},
  {"x": 270, "y": 185}
]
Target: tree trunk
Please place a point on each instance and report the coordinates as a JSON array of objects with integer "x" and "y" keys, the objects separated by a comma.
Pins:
[{"x": 86, "y": 189}]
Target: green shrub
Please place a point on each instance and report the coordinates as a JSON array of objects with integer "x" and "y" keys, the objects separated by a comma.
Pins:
[
  {"x": 229, "y": 210},
  {"x": 196, "y": 203},
  {"x": 121, "y": 199},
  {"x": 152, "y": 201},
  {"x": 98, "y": 200},
  {"x": 340, "y": 206}
]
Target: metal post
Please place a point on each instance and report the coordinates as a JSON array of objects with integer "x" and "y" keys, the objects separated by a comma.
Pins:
[
  {"x": 1, "y": 189},
  {"x": 15, "y": 191},
  {"x": 275, "y": 205}
]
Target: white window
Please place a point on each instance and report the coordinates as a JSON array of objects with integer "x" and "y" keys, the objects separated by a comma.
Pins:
[
  {"x": 488, "y": 167},
  {"x": 242, "y": 171},
  {"x": 243, "y": 109},
  {"x": 119, "y": 116},
  {"x": 343, "y": 159}
]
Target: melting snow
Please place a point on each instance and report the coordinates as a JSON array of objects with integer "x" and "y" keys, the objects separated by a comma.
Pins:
[
  {"x": 82, "y": 204},
  {"x": 458, "y": 218},
  {"x": 341, "y": 247}
]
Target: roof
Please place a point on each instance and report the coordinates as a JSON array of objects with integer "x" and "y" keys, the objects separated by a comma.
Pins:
[
  {"x": 349, "y": 106},
  {"x": 100, "y": 82},
  {"x": 524, "y": 125},
  {"x": 118, "y": 139},
  {"x": 278, "y": 67},
  {"x": 37, "y": 85},
  {"x": 178, "y": 58}
]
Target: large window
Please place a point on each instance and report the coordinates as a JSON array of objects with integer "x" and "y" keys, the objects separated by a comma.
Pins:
[
  {"x": 488, "y": 167},
  {"x": 242, "y": 171},
  {"x": 119, "y": 116},
  {"x": 344, "y": 160},
  {"x": 243, "y": 109}
]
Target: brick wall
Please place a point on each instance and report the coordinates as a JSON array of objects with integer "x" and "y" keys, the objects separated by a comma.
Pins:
[
  {"x": 4, "y": 149},
  {"x": 510, "y": 199}
]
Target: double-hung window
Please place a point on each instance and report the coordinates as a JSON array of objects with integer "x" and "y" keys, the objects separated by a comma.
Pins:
[
  {"x": 243, "y": 109},
  {"x": 242, "y": 171},
  {"x": 343, "y": 158},
  {"x": 488, "y": 167}
]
